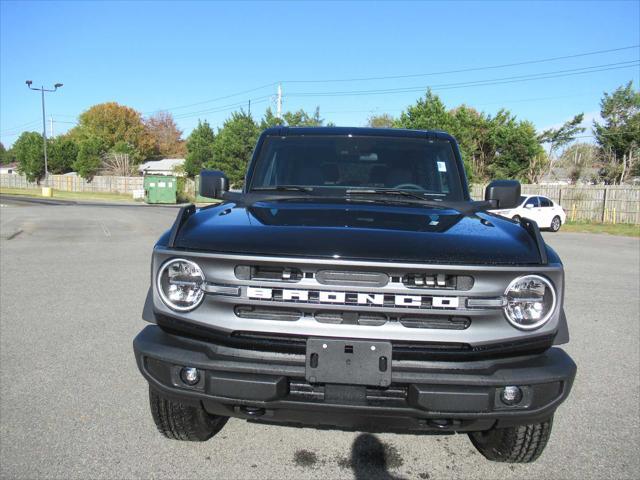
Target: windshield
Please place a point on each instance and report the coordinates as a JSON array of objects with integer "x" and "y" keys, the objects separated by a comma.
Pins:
[{"x": 349, "y": 163}]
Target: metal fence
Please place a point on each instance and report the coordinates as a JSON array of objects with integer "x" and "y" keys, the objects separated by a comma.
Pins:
[
  {"x": 73, "y": 183},
  {"x": 594, "y": 203}
]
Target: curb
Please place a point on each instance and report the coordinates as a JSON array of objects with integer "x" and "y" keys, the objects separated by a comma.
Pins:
[{"x": 93, "y": 203}]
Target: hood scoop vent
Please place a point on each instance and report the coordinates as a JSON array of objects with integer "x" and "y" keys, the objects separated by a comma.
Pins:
[
  {"x": 352, "y": 279},
  {"x": 264, "y": 273}
]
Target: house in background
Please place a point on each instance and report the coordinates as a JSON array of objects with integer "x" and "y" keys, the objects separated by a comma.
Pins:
[
  {"x": 9, "y": 169},
  {"x": 166, "y": 166}
]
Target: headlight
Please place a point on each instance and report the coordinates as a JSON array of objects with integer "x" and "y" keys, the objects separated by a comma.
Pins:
[
  {"x": 180, "y": 284},
  {"x": 530, "y": 301}
]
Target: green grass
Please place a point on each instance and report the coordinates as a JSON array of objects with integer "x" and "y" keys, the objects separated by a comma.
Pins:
[
  {"x": 624, "y": 229},
  {"x": 37, "y": 192}
]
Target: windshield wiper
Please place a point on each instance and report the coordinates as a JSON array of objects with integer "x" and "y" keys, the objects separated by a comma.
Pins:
[
  {"x": 283, "y": 188},
  {"x": 388, "y": 191}
]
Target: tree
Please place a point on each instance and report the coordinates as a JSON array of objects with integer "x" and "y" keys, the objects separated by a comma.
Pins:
[
  {"x": 429, "y": 113},
  {"x": 270, "y": 120},
  {"x": 234, "y": 144},
  {"x": 29, "y": 155},
  {"x": 497, "y": 146},
  {"x": 62, "y": 151},
  {"x": 562, "y": 136},
  {"x": 578, "y": 159},
  {"x": 112, "y": 123},
  {"x": 516, "y": 147},
  {"x": 166, "y": 135},
  {"x": 383, "y": 120},
  {"x": 89, "y": 159},
  {"x": 117, "y": 164},
  {"x": 6, "y": 156},
  {"x": 472, "y": 131},
  {"x": 299, "y": 118},
  {"x": 199, "y": 149},
  {"x": 303, "y": 119},
  {"x": 619, "y": 134}
]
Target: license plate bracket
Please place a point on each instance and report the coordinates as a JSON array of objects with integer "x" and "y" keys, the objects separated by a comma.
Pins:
[{"x": 351, "y": 362}]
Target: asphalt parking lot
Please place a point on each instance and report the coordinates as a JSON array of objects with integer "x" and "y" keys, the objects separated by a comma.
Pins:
[{"x": 73, "y": 404}]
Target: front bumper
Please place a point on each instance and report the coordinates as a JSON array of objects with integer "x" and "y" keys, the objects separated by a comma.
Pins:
[{"x": 423, "y": 395}]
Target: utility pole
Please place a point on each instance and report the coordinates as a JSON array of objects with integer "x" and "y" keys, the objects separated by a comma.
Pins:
[
  {"x": 279, "y": 102},
  {"x": 44, "y": 124},
  {"x": 51, "y": 123},
  {"x": 249, "y": 107}
]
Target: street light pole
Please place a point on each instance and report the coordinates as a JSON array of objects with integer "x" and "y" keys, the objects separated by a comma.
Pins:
[
  {"x": 44, "y": 124},
  {"x": 44, "y": 136}
]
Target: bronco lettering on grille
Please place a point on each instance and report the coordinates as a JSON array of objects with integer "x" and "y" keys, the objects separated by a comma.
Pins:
[{"x": 370, "y": 299}]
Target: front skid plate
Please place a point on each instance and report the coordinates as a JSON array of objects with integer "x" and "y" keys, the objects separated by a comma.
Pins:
[{"x": 351, "y": 362}]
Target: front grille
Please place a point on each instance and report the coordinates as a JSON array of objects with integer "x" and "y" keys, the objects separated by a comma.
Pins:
[
  {"x": 273, "y": 274},
  {"x": 355, "y": 298},
  {"x": 352, "y": 279},
  {"x": 440, "y": 281},
  {"x": 260, "y": 313},
  {"x": 352, "y": 318},
  {"x": 394, "y": 396},
  {"x": 296, "y": 344},
  {"x": 436, "y": 321}
]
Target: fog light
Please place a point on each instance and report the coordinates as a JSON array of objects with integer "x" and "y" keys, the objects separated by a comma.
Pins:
[
  {"x": 511, "y": 395},
  {"x": 190, "y": 375}
]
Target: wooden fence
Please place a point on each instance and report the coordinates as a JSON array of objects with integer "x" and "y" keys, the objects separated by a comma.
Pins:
[
  {"x": 72, "y": 183},
  {"x": 595, "y": 203}
]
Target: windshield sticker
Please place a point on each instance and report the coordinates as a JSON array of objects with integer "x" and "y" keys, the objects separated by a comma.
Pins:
[{"x": 442, "y": 167}]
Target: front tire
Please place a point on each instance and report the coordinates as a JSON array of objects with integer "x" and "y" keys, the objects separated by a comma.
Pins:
[
  {"x": 555, "y": 224},
  {"x": 179, "y": 421},
  {"x": 521, "y": 444}
]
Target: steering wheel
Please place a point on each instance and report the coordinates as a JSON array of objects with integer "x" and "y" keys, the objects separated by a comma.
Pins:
[{"x": 408, "y": 186}]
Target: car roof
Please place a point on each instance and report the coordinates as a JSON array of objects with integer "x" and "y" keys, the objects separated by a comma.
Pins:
[
  {"x": 526, "y": 197},
  {"x": 361, "y": 131}
]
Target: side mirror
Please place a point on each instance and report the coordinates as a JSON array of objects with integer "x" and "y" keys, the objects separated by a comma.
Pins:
[
  {"x": 213, "y": 183},
  {"x": 503, "y": 193},
  {"x": 529, "y": 205}
]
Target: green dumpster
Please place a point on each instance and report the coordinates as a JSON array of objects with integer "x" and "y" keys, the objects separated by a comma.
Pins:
[{"x": 160, "y": 189}]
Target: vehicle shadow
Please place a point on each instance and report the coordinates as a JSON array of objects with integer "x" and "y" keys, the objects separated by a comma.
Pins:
[{"x": 371, "y": 459}]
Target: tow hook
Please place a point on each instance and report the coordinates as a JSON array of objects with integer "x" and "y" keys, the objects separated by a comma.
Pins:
[{"x": 252, "y": 411}]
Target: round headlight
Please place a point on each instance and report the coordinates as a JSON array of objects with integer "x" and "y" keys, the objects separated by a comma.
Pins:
[
  {"x": 530, "y": 301},
  {"x": 180, "y": 284}
]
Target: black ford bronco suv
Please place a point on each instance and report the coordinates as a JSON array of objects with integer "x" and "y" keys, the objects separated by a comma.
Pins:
[{"x": 353, "y": 284}]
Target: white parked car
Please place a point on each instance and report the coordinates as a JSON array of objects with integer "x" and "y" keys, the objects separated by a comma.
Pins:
[{"x": 544, "y": 211}]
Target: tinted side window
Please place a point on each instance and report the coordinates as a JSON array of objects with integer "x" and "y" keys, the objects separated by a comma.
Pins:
[
  {"x": 545, "y": 202},
  {"x": 532, "y": 201}
]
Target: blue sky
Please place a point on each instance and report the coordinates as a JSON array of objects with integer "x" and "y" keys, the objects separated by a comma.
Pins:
[{"x": 184, "y": 57}]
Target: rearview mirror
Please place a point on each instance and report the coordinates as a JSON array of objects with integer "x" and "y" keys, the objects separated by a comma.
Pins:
[
  {"x": 503, "y": 193},
  {"x": 213, "y": 183}
]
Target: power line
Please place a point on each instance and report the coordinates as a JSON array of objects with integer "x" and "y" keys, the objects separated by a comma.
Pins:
[
  {"x": 15, "y": 131},
  {"x": 21, "y": 126},
  {"x": 378, "y": 109},
  {"x": 464, "y": 70},
  {"x": 213, "y": 99},
  {"x": 493, "y": 81},
  {"x": 254, "y": 101},
  {"x": 606, "y": 134}
]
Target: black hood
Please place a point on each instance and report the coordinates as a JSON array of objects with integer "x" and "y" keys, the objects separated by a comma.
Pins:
[{"x": 358, "y": 231}]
